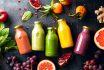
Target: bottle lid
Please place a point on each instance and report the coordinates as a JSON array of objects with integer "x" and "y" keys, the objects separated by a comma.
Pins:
[
  {"x": 85, "y": 27},
  {"x": 60, "y": 20},
  {"x": 38, "y": 22},
  {"x": 18, "y": 26},
  {"x": 52, "y": 28}
]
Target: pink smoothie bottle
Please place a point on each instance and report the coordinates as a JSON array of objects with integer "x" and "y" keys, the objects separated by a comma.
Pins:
[{"x": 82, "y": 41}]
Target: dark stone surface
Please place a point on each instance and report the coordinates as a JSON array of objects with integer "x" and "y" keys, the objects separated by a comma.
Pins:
[{"x": 11, "y": 6}]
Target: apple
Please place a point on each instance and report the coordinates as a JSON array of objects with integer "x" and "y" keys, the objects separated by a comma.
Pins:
[{"x": 3, "y": 15}]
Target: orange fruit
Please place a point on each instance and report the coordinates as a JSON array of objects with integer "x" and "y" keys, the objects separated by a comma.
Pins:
[
  {"x": 65, "y": 2},
  {"x": 57, "y": 8},
  {"x": 46, "y": 65},
  {"x": 99, "y": 38},
  {"x": 82, "y": 10},
  {"x": 35, "y": 4}
]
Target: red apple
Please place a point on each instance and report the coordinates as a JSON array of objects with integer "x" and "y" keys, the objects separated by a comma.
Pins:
[{"x": 3, "y": 15}]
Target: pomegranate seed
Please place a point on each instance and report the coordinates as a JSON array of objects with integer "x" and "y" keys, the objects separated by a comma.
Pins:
[
  {"x": 21, "y": 14},
  {"x": 63, "y": 60},
  {"x": 19, "y": 1},
  {"x": 25, "y": 8},
  {"x": 19, "y": 8}
]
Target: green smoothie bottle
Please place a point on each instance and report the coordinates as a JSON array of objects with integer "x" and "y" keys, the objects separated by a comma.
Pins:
[
  {"x": 51, "y": 48},
  {"x": 38, "y": 37}
]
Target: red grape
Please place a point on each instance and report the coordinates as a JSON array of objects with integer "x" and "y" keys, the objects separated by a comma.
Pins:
[
  {"x": 94, "y": 67},
  {"x": 92, "y": 62},
  {"x": 85, "y": 67},
  {"x": 90, "y": 67}
]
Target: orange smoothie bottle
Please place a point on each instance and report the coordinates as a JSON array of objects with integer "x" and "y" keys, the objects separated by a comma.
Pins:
[{"x": 22, "y": 40}]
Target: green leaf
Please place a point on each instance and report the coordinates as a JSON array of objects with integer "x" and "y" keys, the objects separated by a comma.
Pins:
[
  {"x": 1, "y": 25},
  {"x": 4, "y": 32},
  {"x": 3, "y": 35},
  {"x": 52, "y": 3}
]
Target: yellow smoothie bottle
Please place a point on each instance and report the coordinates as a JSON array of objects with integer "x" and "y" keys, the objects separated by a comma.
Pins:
[{"x": 64, "y": 34}]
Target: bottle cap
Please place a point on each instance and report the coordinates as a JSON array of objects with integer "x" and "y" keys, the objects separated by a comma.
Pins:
[
  {"x": 38, "y": 22},
  {"x": 60, "y": 20},
  {"x": 18, "y": 26},
  {"x": 85, "y": 27},
  {"x": 52, "y": 28}
]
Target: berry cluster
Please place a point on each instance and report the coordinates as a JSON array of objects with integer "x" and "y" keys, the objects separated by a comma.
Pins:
[
  {"x": 28, "y": 65},
  {"x": 92, "y": 64}
]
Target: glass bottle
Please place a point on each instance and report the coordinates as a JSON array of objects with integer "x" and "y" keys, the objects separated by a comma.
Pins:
[
  {"x": 51, "y": 42},
  {"x": 22, "y": 40},
  {"x": 64, "y": 34},
  {"x": 82, "y": 41},
  {"x": 38, "y": 35}
]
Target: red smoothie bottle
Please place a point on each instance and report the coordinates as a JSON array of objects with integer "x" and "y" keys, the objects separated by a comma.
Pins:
[{"x": 82, "y": 41}]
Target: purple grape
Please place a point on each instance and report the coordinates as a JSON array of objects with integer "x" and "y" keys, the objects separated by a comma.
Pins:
[
  {"x": 100, "y": 67},
  {"x": 11, "y": 64},
  {"x": 24, "y": 64},
  {"x": 34, "y": 57},
  {"x": 90, "y": 67},
  {"x": 92, "y": 62},
  {"x": 17, "y": 68},
  {"x": 96, "y": 56},
  {"x": 28, "y": 62},
  {"x": 14, "y": 68},
  {"x": 87, "y": 62},
  {"x": 28, "y": 66},
  {"x": 9, "y": 58},
  {"x": 28, "y": 58},
  {"x": 17, "y": 64},
  {"x": 31, "y": 59},
  {"x": 98, "y": 52},
  {"x": 85, "y": 67},
  {"x": 22, "y": 67},
  {"x": 94, "y": 67},
  {"x": 14, "y": 58},
  {"x": 32, "y": 62}
]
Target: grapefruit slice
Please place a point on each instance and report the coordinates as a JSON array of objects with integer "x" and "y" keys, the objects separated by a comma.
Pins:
[
  {"x": 46, "y": 65},
  {"x": 35, "y": 4},
  {"x": 99, "y": 38}
]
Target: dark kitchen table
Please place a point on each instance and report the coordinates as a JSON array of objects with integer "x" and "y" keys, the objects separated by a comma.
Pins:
[{"x": 12, "y": 6}]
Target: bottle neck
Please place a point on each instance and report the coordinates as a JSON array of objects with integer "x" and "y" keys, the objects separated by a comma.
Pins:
[
  {"x": 19, "y": 29},
  {"x": 51, "y": 31},
  {"x": 38, "y": 25},
  {"x": 86, "y": 30}
]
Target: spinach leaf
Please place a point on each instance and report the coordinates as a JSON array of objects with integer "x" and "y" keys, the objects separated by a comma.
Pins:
[
  {"x": 3, "y": 35},
  {"x": 2, "y": 26}
]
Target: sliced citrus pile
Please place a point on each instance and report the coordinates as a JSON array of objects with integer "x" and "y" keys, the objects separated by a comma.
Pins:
[
  {"x": 99, "y": 38},
  {"x": 46, "y": 65},
  {"x": 35, "y": 4}
]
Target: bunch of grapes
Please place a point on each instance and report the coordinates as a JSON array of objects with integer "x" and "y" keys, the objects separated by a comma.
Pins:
[
  {"x": 27, "y": 65},
  {"x": 92, "y": 64}
]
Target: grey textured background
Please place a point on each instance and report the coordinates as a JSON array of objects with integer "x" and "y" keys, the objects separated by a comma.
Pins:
[{"x": 11, "y": 6}]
